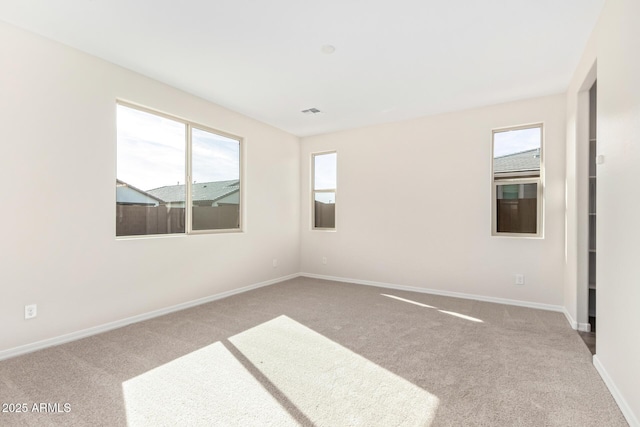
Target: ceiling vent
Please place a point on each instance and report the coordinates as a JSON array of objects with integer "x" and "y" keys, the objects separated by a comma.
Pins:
[{"x": 311, "y": 111}]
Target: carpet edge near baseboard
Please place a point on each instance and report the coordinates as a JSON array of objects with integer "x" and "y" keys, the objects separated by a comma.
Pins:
[
  {"x": 94, "y": 330},
  {"x": 617, "y": 396},
  {"x": 61, "y": 339},
  {"x": 506, "y": 301}
]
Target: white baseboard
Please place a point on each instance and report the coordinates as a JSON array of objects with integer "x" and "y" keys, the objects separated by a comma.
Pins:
[
  {"x": 548, "y": 307},
  {"x": 622, "y": 403},
  {"x": 73, "y": 336},
  {"x": 572, "y": 322},
  {"x": 582, "y": 327}
]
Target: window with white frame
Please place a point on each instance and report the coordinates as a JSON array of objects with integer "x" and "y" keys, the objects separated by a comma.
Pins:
[
  {"x": 517, "y": 181},
  {"x": 324, "y": 190},
  {"x": 174, "y": 176}
]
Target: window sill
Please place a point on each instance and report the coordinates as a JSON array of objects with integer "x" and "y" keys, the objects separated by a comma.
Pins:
[
  {"x": 178, "y": 235},
  {"x": 519, "y": 235}
]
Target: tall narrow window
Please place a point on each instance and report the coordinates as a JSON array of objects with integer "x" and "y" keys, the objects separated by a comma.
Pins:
[
  {"x": 173, "y": 177},
  {"x": 324, "y": 190},
  {"x": 517, "y": 181}
]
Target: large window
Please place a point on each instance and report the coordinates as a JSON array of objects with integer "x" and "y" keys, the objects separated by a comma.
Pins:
[
  {"x": 174, "y": 176},
  {"x": 324, "y": 190},
  {"x": 517, "y": 181}
]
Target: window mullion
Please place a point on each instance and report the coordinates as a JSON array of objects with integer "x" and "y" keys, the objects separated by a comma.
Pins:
[{"x": 189, "y": 177}]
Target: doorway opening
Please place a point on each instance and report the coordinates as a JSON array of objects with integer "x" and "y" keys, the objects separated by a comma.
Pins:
[{"x": 589, "y": 337}]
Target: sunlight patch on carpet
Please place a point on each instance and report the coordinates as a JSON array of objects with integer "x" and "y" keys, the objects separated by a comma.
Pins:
[
  {"x": 407, "y": 300},
  {"x": 461, "y": 316},
  {"x": 451, "y": 313},
  {"x": 329, "y": 383},
  {"x": 203, "y": 388}
]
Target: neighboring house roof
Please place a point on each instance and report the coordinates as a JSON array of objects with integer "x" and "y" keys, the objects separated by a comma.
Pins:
[
  {"x": 518, "y": 162},
  {"x": 210, "y": 191},
  {"x": 127, "y": 194}
]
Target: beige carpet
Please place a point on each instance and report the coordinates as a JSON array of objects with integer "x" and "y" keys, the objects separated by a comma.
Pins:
[{"x": 312, "y": 352}]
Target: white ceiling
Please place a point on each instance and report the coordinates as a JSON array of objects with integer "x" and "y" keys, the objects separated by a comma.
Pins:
[{"x": 394, "y": 59}]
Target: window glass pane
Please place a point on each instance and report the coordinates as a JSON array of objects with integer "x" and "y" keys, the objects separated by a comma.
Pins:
[
  {"x": 150, "y": 197},
  {"x": 325, "y": 210},
  {"x": 325, "y": 171},
  {"x": 215, "y": 190},
  {"x": 517, "y": 208},
  {"x": 517, "y": 152}
]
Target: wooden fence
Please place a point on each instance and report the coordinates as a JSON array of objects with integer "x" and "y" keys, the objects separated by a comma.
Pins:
[
  {"x": 132, "y": 220},
  {"x": 325, "y": 215},
  {"x": 517, "y": 216}
]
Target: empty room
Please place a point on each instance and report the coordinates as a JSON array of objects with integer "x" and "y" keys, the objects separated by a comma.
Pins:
[{"x": 342, "y": 213}]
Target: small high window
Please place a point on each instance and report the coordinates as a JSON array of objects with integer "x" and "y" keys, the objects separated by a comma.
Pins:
[
  {"x": 174, "y": 176},
  {"x": 517, "y": 181},
  {"x": 324, "y": 190}
]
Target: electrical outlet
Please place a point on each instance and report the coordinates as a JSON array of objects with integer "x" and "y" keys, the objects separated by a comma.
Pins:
[
  {"x": 275, "y": 263},
  {"x": 519, "y": 279},
  {"x": 30, "y": 311},
  {"x": 324, "y": 259}
]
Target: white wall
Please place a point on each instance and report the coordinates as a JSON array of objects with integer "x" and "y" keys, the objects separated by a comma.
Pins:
[
  {"x": 414, "y": 206},
  {"x": 616, "y": 43},
  {"x": 57, "y": 127},
  {"x": 58, "y": 247}
]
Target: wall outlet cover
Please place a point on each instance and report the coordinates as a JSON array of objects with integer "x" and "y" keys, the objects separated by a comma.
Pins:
[{"x": 30, "y": 311}]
